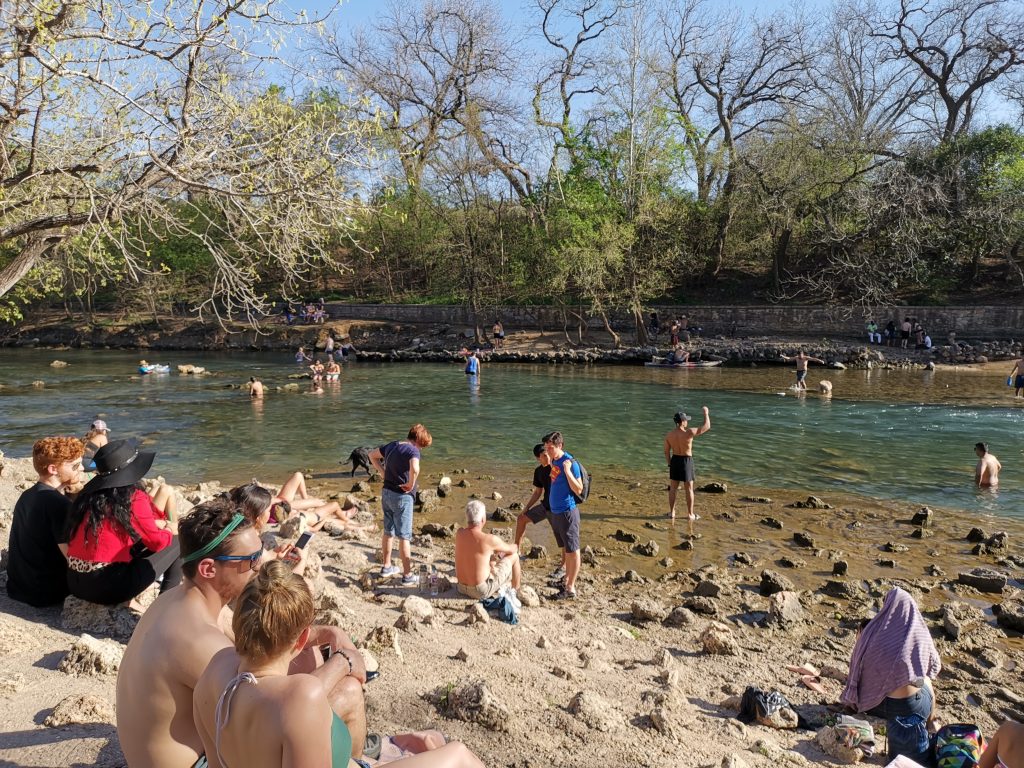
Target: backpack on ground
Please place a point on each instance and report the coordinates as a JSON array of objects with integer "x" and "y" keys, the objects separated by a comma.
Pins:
[
  {"x": 585, "y": 478},
  {"x": 959, "y": 746}
]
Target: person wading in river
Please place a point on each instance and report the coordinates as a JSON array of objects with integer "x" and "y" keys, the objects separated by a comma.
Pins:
[{"x": 679, "y": 457}]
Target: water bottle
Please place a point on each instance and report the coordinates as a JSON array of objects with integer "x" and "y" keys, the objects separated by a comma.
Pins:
[
  {"x": 434, "y": 582},
  {"x": 424, "y": 578}
]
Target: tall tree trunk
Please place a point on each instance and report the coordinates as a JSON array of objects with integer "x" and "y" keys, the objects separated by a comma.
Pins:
[
  {"x": 722, "y": 230},
  {"x": 28, "y": 257},
  {"x": 780, "y": 258}
]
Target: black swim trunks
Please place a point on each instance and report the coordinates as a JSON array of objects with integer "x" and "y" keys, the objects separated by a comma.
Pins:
[
  {"x": 801, "y": 375},
  {"x": 681, "y": 469}
]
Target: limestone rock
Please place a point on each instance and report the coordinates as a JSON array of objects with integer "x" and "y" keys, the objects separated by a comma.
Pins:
[
  {"x": 537, "y": 552},
  {"x": 461, "y": 655},
  {"x": 426, "y": 496},
  {"x": 976, "y": 536},
  {"x": 650, "y": 549},
  {"x": 626, "y": 537},
  {"x": 892, "y": 546},
  {"x": 502, "y": 515},
  {"x": 785, "y": 608},
  {"x": 444, "y": 486},
  {"x": 791, "y": 562},
  {"x": 476, "y": 614},
  {"x": 831, "y": 746},
  {"x": 733, "y": 761},
  {"x": 813, "y": 502},
  {"x": 840, "y": 568},
  {"x": 647, "y": 610},
  {"x": 742, "y": 558},
  {"x": 714, "y": 488},
  {"x": 997, "y": 540},
  {"x": 983, "y": 579},
  {"x": 923, "y": 517},
  {"x": 417, "y": 608},
  {"x": 846, "y": 590},
  {"x": 495, "y": 496},
  {"x": 702, "y": 605},
  {"x": 528, "y": 597},
  {"x": 361, "y": 487},
  {"x": 107, "y": 621},
  {"x": 803, "y": 540},
  {"x": 438, "y": 531},
  {"x": 708, "y": 588},
  {"x": 384, "y": 639},
  {"x": 718, "y": 639},
  {"x": 679, "y": 617},
  {"x": 472, "y": 703},
  {"x": 59, "y": 364},
  {"x": 83, "y": 708},
  {"x": 771, "y": 522},
  {"x": 956, "y": 617},
  {"x": 1010, "y": 614},
  {"x": 772, "y": 582},
  {"x": 595, "y": 712},
  {"x": 407, "y": 623},
  {"x": 90, "y": 657}
]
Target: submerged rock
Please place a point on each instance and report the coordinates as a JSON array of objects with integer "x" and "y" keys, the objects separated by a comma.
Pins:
[
  {"x": 714, "y": 488},
  {"x": 650, "y": 549},
  {"x": 1010, "y": 614},
  {"x": 771, "y": 522},
  {"x": 803, "y": 540}
]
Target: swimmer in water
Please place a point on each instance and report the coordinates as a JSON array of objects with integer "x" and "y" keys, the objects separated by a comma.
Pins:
[
  {"x": 986, "y": 473},
  {"x": 255, "y": 388}
]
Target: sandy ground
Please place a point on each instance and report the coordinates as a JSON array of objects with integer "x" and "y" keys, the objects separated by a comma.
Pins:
[{"x": 589, "y": 683}]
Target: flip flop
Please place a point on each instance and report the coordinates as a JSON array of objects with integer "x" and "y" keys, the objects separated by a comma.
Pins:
[
  {"x": 805, "y": 669},
  {"x": 811, "y": 682}
]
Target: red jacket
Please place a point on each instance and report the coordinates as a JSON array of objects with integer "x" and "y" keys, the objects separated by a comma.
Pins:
[{"x": 112, "y": 543}]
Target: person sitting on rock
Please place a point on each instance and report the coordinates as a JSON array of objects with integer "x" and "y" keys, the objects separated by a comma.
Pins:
[
  {"x": 246, "y": 688},
  {"x": 37, "y": 564},
  {"x": 183, "y": 630},
  {"x": 893, "y": 663},
  {"x": 97, "y": 436},
  {"x": 484, "y": 563},
  {"x": 118, "y": 542}
]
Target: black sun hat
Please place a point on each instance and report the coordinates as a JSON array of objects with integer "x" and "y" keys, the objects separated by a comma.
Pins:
[{"x": 119, "y": 463}]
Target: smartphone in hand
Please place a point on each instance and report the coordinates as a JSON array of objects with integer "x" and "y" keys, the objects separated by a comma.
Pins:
[{"x": 304, "y": 540}]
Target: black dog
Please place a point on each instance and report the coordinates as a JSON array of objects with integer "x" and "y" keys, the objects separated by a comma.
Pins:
[{"x": 360, "y": 457}]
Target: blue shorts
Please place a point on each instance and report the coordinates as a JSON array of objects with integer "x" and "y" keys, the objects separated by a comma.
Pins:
[
  {"x": 1019, "y": 382},
  {"x": 397, "y": 514}
]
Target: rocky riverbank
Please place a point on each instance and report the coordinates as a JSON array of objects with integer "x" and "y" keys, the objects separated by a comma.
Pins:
[
  {"x": 639, "y": 670},
  {"x": 405, "y": 342}
]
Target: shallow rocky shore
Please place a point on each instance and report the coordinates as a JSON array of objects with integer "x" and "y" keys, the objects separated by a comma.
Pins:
[
  {"x": 642, "y": 669},
  {"x": 404, "y": 342}
]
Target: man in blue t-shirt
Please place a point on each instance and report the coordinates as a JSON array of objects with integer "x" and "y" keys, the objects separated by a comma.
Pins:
[
  {"x": 566, "y": 479},
  {"x": 473, "y": 364},
  {"x": 399, "y": 463}
]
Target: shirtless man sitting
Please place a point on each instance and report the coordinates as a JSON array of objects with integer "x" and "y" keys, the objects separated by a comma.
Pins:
[
  {"x": 179, "y": 634},
  {"x": 986, "y": 473},
  {"x": 679, "y": 457},
  {"x": 484, "y": 563}
]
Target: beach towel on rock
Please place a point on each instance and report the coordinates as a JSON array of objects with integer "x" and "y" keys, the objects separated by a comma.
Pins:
[{"x": 893, "y": 650}]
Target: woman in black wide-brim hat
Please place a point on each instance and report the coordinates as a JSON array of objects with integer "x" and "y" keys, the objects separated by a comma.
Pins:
[{"x": 118, "y": 542}]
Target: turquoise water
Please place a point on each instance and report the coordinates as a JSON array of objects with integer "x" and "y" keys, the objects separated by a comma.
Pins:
[{"x": 888, "y": 435}]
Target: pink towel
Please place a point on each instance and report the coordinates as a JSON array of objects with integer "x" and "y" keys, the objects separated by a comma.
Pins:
[{"x": 894, "y": 649}]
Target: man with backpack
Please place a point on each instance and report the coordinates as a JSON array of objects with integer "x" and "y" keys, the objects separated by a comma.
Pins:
[
  {"x": 567, "y": 489},
  {"x": 679, "y": 457}
]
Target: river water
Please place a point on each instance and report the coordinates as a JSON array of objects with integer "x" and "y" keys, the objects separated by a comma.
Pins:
[{"x": 889, "y": 435}]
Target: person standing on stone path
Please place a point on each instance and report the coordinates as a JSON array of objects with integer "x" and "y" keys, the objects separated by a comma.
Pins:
[
  {"x": 679, "y": 457},
  {"x": 398, "y": 462}
]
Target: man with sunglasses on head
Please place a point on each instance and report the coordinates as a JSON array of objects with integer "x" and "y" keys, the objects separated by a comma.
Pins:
[{"x": 183, "y": 629}]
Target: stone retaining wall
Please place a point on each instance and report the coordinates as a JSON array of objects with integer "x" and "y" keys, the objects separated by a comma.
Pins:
[{"x": 989, "y": 322}]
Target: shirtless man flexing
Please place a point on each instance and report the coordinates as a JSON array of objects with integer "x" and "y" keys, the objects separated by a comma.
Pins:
[
  {"x": 986, "y": 473},
  {"x": 679, "y": 457}
]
